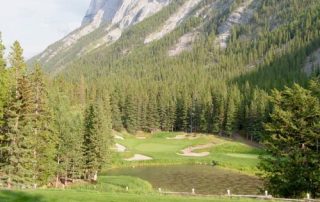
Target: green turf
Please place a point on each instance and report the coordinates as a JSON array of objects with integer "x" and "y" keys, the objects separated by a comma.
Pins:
[
  {"x": 90, "y": 196},
  {"x": 228, "y": 153}
]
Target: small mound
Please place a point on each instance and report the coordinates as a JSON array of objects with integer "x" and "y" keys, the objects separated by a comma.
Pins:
[{"x": 139, "y": 157}]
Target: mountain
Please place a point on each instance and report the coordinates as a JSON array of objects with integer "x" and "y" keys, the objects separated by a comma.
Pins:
[
  {"x": 103, "y": 24},
  {"x": 188, "y": 65}
]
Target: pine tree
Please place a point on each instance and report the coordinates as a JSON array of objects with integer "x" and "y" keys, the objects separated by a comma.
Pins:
[
  {"x": 292, "y": 167},
  {"x": 67, "y": 127},
  {"x": 17, "y": 141},
  {"x": 46, "y": 140},
  {"x": 116, "y": 114},
  {"x": 131, "y": 114},
  {"x": 152, "y": 114},
  {"x": 97, "y": 140},
  {"x": 4, "y": 81}
]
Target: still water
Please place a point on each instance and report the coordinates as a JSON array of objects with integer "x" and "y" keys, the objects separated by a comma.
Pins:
[{"x": 183, "y": 178}]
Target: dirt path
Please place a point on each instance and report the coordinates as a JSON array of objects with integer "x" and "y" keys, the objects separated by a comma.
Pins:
[
  {"x": 139, "y": 157},
  {"x": 190, "y": 151}
]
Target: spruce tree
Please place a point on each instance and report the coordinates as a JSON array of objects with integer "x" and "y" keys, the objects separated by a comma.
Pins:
[
  {"x": 291, "y": 168},
  {"x": 97, "y": 140},
  {"x": 17, "y": 141},
  {"x": 4, "y": 81},
  {"x": 45, "y": 138},
  {"x": 116, "y": 113}
]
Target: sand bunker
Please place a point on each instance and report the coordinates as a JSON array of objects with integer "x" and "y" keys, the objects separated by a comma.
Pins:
[
  {"x": 182, "y": 137},
  {"x": 118, "y": 137},
  {"x": 120, "y": 148},
  {"x": 190, "y": 151},
  {"x": 139, "y": 157}
]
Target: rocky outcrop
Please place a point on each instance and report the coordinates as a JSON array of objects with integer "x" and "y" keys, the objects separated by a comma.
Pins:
[{"x": 108, "y": 7}]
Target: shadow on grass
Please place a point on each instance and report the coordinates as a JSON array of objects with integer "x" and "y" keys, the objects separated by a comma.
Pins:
[{"x": 15, "y": 196}]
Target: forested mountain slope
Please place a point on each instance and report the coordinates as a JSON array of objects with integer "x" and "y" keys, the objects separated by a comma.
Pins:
[{"x": 205, "y": 65}]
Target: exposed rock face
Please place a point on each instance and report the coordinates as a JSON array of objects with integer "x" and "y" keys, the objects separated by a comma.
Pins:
[
  {"x": 126, "y": 12},
  {"x": 109, "y": 8}
]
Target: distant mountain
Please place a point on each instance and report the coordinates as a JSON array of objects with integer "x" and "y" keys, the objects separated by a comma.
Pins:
[
  {"x": 190, "y": 21},
  {"x": 103, "y": 24}
]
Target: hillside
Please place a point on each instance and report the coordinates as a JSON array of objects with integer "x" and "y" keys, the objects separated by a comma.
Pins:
[{"x": 204, "y": 65}]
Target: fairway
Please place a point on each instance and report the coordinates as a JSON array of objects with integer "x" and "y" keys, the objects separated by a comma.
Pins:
[{"x": 164, "y": 149}]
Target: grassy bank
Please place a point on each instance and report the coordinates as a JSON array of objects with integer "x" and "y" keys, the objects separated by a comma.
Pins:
[
  {"x": 89, "y": 196},
  {"x": 109, "y": 189}
]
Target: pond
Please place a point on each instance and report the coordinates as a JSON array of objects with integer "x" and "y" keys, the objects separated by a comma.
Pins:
[{"x": 204, "y": 179}]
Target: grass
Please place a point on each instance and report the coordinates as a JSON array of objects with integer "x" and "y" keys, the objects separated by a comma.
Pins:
[
  {"x": 228, "y": 153},
  {"x": 90, "y": 196},
  {"x": 118, "y": 184}
]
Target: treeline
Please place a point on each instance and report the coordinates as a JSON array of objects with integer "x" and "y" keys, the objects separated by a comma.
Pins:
[{"x": 44, "y": 138}]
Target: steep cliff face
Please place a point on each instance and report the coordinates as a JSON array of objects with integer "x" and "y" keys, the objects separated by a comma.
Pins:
[
  {"x": 115, "y": 11},
  {"x": 109, "y": 8}
]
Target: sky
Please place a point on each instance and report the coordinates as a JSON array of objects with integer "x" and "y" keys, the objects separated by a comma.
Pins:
[{"x": 38, "y": 23}]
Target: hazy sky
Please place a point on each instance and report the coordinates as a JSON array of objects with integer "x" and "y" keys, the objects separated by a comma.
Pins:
[{"x": 38, "y": 23}]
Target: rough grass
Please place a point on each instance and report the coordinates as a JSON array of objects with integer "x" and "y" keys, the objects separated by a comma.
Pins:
[
  {"x": 117, "y": 184},
  {"x": 228, "y": 153}
]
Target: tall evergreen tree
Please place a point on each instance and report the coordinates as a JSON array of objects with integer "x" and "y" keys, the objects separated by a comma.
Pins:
[
  {"x": 17, "y": 141},
  {"x": 4, "y": 81},
  {"x": 45, "y": 138},
  {"x": 292, "y": 167},
  {"x": 97, "y": 140}
]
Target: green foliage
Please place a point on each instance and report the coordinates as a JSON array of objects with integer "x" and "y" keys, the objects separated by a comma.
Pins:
[
  {"x": 292, "y": 142},
  {"x": 97, "y": 138}
]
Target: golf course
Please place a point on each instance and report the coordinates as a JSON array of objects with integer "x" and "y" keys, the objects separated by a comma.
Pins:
[{"x": 164, "y": 166}]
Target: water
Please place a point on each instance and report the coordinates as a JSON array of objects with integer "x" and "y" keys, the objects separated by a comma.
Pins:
[{"x": 183, "y": 178}]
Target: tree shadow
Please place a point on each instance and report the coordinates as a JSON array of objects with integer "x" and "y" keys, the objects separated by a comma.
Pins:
[
  {"x": 15, "y": 196},
  {"x": 282, "y": 70}
]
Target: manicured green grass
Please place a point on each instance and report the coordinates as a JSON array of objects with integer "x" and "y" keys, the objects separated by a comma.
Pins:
[
  {"x": 228, "y": 153},
  {"x": 90, "y": 196}
]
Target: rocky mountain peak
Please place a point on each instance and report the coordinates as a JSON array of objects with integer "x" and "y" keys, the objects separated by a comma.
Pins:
[{"x": 116, "y": 10}]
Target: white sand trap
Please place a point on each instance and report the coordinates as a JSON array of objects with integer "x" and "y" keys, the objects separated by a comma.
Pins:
[
  {"x": 190, "y": 151},
  {"x": 182, "y": 137},
  {"x": 141, "y": 138},
  {"x": 120, "y": 148},
  {"x": 118, "y": 137},
  {"x": 178, "y": 137},
  {"x": 139, "y": 157}
]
